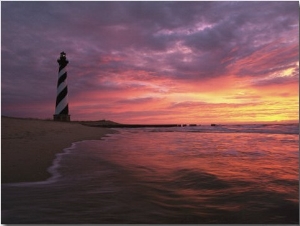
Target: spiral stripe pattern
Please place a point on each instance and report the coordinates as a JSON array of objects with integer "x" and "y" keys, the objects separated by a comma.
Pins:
[{"x": 62, "y": 91}]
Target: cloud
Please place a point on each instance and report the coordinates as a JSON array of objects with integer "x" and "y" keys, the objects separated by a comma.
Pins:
[
  {"x": 140, "y": 100},
  {"x": 205, "y": 105},
  {"x": 276, "y": 81},
  {"x": 126, "y": 51}
]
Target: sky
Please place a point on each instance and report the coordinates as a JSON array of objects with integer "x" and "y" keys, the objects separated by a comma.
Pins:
[{"x": 153, "y": 62}]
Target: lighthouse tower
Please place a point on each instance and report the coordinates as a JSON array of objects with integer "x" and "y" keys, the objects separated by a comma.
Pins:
[{"x": 62, "y": 108}]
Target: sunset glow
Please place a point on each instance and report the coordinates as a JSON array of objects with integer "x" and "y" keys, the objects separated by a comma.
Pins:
[{"x": 153, "y": 62}]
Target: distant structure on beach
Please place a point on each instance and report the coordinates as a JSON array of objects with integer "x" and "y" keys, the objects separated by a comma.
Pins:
[{"x": 62, "y": 108}]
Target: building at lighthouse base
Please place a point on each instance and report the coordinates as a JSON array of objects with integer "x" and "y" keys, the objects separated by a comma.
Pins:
[{"x": 62, "y": 118}]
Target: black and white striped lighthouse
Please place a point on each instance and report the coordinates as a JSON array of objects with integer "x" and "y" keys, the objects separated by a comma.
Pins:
[{"x": 62, "y": 108}]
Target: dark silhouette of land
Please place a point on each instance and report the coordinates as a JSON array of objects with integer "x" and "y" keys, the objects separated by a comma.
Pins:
[{"x": 111, "y": 124}]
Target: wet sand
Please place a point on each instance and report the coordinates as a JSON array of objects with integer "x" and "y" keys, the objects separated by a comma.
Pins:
[{"x": 28, "y": 146}]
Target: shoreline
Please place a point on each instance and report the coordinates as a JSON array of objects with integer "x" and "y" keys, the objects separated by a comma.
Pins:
[{"x": 29, "y": 146}]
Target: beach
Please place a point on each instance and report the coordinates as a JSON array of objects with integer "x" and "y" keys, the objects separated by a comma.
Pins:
[
  {"x": 29, "y": 146},
  {"x": 182, "y": 175}
]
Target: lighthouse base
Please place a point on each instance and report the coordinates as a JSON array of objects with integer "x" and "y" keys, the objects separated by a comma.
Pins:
[{"x": 62, "y": 118}]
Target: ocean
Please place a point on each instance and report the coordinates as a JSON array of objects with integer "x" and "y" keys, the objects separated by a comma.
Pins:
[{"x": 226, "y": 174}]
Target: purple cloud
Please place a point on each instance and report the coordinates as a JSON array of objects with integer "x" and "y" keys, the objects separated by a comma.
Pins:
[{"x": 108, "y": 43}]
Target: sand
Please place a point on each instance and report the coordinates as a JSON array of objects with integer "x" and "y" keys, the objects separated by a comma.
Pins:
[{"x": 29, "y": 146}]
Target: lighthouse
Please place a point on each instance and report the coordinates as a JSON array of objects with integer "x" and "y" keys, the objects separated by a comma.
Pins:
[{"x": 61, "y": 107}]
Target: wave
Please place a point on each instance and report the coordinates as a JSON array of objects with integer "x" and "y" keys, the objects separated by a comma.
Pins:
[{"x": 244, "y": 128}]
